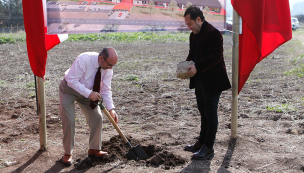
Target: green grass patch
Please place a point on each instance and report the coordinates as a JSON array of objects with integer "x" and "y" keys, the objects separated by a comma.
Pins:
[
  {"x": 163, "y": 36},
  {"x": 280, "y": 108},
  {"x": 294, "y": 50},
  {"x": 3, "y": 83},
  {"x": 131, "y": 36},
  {"x": 297, "y": 60},
  {"x": 131, "y": 78},
  {"x": 293, "y": 47},
  {"x": 298, "y": 71},
  {"x": 30, "y": 85},
  {"x": 31, "y": 95},
  {"x": 8, "y": 38}
]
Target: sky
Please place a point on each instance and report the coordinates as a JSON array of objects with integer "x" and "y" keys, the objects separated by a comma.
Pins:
[
  {"x": 292, "y": 2},
  {"x": 294, "y": 11}
]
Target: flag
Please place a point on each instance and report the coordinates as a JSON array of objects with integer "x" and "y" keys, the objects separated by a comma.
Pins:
[
  {"x": 266, "y": 24},
  {"x": 37, "y": 40}
]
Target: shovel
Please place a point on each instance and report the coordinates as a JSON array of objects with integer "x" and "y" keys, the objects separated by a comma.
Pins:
[{"x": 134, "y": 153}]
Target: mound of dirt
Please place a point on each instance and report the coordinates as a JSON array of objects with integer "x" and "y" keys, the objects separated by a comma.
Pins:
[{"x": 117, "y": 150}]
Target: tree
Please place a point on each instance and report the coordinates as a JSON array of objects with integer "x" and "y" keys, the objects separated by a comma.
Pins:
[
  {"x": 151, "y": 6},
  {"x": 172, "y": 6},
  {"x": 300, "y": 18},
  {"x": 11, "y": 12},
  {"x": 189, "y": 4},
  {"x": 3, "y": 10},
  {"x": 13, "y": 8}
]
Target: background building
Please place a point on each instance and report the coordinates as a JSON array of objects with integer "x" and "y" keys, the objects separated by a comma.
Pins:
[{"x": 213, "y": 5}]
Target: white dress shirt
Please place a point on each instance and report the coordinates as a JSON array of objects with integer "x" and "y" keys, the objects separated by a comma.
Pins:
[{"x": 81, "y": 77}]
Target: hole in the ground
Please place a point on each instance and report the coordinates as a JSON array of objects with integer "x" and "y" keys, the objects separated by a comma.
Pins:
[{"x": 117, "y": 149}]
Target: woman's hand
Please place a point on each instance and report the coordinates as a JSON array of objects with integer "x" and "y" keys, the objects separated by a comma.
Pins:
[{"x": 191, "y": 70}]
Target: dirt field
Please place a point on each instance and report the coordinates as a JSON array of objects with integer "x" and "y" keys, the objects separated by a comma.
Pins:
[{"x": 156, "y": 110}]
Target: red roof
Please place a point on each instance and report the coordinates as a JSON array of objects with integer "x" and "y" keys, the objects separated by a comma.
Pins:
[{"x": 124, "y": 5}]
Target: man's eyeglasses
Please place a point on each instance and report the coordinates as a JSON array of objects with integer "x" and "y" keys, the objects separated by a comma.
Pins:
[{"x": 110, "y": 65}]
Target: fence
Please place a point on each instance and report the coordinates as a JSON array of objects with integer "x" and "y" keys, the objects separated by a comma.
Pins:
[{"x": 12, "y": 29}]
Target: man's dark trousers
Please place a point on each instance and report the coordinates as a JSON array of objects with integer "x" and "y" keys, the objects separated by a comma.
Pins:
[{"x": 207, "y": 103}]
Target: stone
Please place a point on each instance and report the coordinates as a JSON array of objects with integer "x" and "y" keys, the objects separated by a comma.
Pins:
[{"x": 182, "y": 69}]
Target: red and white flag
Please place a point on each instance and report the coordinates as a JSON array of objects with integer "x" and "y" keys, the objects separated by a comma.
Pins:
[
  {"x": 266, "y": 24},
  {"x": 37, "y": 40}
]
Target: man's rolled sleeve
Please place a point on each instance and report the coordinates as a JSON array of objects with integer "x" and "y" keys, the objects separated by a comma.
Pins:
[{"x": 73, "y": 76}]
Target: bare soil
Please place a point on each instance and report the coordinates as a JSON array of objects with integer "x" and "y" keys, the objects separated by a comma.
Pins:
[{"x": 157, "y": 111}]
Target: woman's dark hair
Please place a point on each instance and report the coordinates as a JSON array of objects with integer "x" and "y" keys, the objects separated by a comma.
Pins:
[{"x": 194, "y": 13}]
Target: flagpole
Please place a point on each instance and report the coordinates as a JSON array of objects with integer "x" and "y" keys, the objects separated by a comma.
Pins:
[
  {"x": 235, "y": 71},
  {"x": 42, "y": 114}
]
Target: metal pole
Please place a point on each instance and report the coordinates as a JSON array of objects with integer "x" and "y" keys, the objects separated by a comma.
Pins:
[
  {"x": 235, "y": 71},
  {"x": 42, "y": 114}
]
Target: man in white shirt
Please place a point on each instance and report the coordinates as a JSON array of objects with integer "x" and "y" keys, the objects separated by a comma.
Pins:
[{"x": 77, "y": 85}]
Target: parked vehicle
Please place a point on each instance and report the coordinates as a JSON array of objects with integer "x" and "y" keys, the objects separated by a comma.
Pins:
[
  {"x": 295, "y": 23},
  {"x": 87, "y": 9},
  {"x": 229, "y": 23}
]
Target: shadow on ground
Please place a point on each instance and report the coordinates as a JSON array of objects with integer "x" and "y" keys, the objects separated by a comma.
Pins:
[{"x": 203, "y": 166}]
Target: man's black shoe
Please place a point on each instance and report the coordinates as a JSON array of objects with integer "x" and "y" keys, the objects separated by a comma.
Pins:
[
  {"x": 203, "y": 153},
  {"x": 194, "y": 147}
]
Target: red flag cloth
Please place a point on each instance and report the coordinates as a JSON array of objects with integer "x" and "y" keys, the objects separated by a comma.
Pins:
[
  {"x": 37, "y": 40},
  {"x": 266, "y": 24},
  {"x": 35, "y": 35},
  {"x": 51, "y": 40}
]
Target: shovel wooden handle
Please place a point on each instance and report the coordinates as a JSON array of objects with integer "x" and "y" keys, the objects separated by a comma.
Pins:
[{"x": 115, "y": 125}]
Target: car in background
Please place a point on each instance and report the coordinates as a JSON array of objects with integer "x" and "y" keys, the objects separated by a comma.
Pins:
[
  {"x": 295, "y": 23},
  {"x": 229, "y": 23},
  {"x": 87, "y": 9}
]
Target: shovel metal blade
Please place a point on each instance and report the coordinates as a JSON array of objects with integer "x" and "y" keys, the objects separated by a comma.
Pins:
[
  {"x": 141, "y": 154},
  {"x": 136, "y": 153},
  {"x": 131, "y": 155}
]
